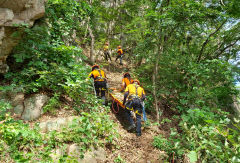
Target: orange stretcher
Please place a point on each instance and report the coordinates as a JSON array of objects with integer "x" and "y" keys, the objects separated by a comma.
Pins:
[
  {"x": 115, "y": 99},
  {"x": 120, "y": 103}
]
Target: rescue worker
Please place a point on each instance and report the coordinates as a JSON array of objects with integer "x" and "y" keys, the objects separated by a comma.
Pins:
[
  {"x": 120, "y": 55},
  {"x": 100, "y": 82},
  {"x": 106, "y": 52},
  {"x": 126, "y": 80},
  {"x": 136, "y": 96}
]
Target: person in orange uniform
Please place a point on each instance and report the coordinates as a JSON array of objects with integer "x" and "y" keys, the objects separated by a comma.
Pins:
[
  {"x": 126, "y": 80},
  {"x": 100, "y": 82},
  {"x": 120, "y": 55},
  {"x": 136, "y": 95},
  {"x": 106, "y": 52}
]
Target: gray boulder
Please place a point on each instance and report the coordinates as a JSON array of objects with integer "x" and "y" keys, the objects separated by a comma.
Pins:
[
  {"x": 17, "y": 101},
  {"x": 56, "y": 124},
  {"x": 33, "y": 106}
]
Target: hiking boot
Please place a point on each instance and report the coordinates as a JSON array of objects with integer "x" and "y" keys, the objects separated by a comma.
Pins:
[
  {"x": 131, "y": 127},
  {"x": 104, "y": 100},
  {"x": 138, "y": 134}
]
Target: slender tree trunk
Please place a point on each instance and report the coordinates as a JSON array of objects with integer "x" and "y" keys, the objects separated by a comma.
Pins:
[
  {"x": 92, "y": 57},
  {"x": 92, "y": 44},
  {"x": 155, "y": 95},
  {"x": 155, "y": 78}
]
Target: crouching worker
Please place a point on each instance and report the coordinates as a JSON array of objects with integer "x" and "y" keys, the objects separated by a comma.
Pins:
[
  {"x": 136, "y": 95},
  {"x": 100, "y": 82}
]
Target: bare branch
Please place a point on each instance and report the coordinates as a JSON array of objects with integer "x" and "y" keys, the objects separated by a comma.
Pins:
[
  {"x": 230, "y": 45},
  {"x": 207, "y": 40},
  {"x": 222, "y": 3}
]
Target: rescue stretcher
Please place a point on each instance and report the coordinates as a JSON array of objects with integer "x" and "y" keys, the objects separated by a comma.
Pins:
[{"x": 116, "y": 97}]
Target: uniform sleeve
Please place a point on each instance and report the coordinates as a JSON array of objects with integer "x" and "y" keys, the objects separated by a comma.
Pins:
[
  {"x": 143, "y": 95},
  {"x": 90, "y": 75},
  {"x": 103, "y": 73},
  {"x": 127, "y": 89},
  {"x": 123, "y": 83}
]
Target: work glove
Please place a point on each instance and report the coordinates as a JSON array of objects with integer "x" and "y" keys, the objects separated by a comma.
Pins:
[{"x": 132, "y": 114}]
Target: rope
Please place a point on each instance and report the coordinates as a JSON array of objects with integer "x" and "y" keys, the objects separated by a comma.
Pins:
[{"x": 113, "y": 107}]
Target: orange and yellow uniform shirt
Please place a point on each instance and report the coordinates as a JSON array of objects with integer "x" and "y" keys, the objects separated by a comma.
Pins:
[
  {"x": 120, "y": 52},
  {"x": 126, "y": 82},
  {"x": 105, "y": 48},
  {"x": 97, "y": 76},
  {"x": 131, "y": 88}
]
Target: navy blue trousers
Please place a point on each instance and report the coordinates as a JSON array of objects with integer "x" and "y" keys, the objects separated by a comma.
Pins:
[{"x": 136, "y": 105}]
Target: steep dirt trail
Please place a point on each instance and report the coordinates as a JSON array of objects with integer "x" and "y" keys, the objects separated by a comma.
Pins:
[{"x": 130, "y": 148}]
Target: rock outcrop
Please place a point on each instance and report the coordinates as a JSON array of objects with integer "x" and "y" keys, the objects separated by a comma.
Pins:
[
  {"x": 34, "y": 106},
  {"x": 12, "y": 14},
  {"x": 56, "y": 124},
  {"x": 26, "y": 108}
]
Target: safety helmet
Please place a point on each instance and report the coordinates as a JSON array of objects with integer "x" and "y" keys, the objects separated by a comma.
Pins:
[
  {"x": 136, "y": 81},
  {"x": 94, "y": 67},
  {"x": 119, "y": 47},
  {"x": 126, "y": 74}
]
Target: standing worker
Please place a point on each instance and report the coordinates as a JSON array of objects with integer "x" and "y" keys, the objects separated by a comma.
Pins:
[
  {"x": 126, "y": 80},
  {"x": 136, "y": 96},
  {"x": 100, "y": 82},
  {"x": 106, "y": 52},
  {"x": 120, "y": 54}
]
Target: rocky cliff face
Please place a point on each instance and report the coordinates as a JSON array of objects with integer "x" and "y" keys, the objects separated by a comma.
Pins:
[{"x": 12, "y": 13}]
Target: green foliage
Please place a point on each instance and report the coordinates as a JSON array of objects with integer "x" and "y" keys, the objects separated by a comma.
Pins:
[
  {"x": 4, "y": 108},
  {"x": 205, "y": 135},
  {"x": 185, "y": 44},
  {"x": 209, "y": 136},
  {"x": 119, "y": 159},
  {"x": 43, "y": 58},
  {"x": 192, "y": 155},
  {"x": 90, "y": 129},
  {"x": 165, "y": 120},
  {"x": 20, "y": 143},
  {"x": 45, "y": 61},
  {"x": 163, "y": 144},
  {"x": 52, "y": 105}
]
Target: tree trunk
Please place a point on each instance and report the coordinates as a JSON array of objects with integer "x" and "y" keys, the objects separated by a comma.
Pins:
[
  {"x": 92, "y": 44},
  {"x": 92, "y": 57},
  {"x": 155, "y": 78}
]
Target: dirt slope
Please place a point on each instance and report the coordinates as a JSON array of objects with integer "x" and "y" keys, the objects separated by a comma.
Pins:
[{"x": 130, "y": 148}]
